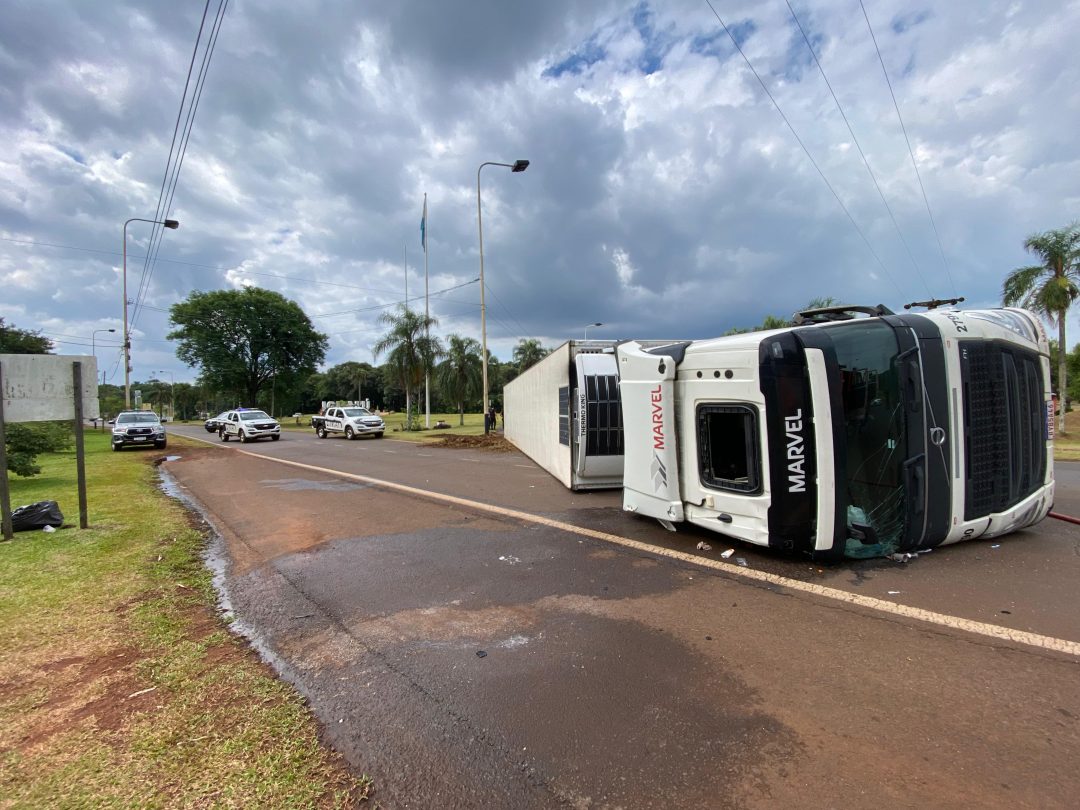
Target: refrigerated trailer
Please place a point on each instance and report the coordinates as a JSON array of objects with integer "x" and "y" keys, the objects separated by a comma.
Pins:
[
  {"x": 838, "y": 435},
  {"x": 564, "y": 414}
]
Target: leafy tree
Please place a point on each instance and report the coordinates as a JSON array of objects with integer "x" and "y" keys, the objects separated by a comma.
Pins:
[
  {"x": 1049, "y": 288},
  {"x": 409, "y": 348},
  {"x": 246, "y": 340},
  {"x": 23, "y": 443},
  {"x": 22, "y": 341},
  {"x": 528, "y": 352},
  {"x": 348, "y": 380},
  {"x": 459, "y": 376}
]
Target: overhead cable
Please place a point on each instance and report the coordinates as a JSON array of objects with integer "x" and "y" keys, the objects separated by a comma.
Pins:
[
  {"x": 193, "y": 106},
  {"x": 858, "y": 146},
  {"x": 911, "y": 152},
  {"x": 794, "y": 133}
]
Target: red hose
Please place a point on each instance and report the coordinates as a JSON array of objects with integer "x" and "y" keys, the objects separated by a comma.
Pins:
[{"x": 1066, "y": 518}]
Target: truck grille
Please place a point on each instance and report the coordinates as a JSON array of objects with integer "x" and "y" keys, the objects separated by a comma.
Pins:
[
  {"x": 139, "y": 431},
  {"x": 1005, "y": 426}
]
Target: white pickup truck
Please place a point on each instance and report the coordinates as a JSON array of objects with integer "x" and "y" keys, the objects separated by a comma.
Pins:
[{"x": 351, "y": 421}]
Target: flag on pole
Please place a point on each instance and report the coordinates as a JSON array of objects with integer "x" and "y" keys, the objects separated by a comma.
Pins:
[{"x": 423, "y": 227}]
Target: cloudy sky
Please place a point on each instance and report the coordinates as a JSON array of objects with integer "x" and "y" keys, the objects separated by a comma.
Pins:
[{"x": 666, "y": 196}]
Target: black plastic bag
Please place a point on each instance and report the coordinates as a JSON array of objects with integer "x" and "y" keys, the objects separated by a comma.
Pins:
[{"x": 37, "y": 516}]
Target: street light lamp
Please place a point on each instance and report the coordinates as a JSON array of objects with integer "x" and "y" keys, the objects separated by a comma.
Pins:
[
  {"x": 587, "y": 328},
  {"x": 172, "y": 224},
  {"x": 93, "y": 348},
  {"x": 516, "y": 166}
]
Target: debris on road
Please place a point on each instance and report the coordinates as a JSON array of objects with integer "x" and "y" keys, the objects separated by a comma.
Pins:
[
  {"x": 893, "y": 593},
  {"x": 741, "y": 561},
  {"x": 728, "y": 553},
  {"x": 703, "y": 546},
  {"x": 481, "y": 654}
]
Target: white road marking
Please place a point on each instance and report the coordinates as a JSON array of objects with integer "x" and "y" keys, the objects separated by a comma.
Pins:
[{"x": 882, "y": 606}]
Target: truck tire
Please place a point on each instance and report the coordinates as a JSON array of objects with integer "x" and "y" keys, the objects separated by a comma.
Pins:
[
  {"x": 320, "y": 431},
  {"x": 116, "y": 447},
  {"x": 243, "y": 436},
  {"x": 275, "y": 438},
  {"x": 349, "y": 433},
  {"x": 160, "y": 445},
  {"x": 378, "y": 435},
  {"x": 223, "y": 435}
]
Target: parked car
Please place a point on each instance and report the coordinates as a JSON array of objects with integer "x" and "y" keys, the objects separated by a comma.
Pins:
[
  {"x": 137, "y": 428},
  {"x": 248, "y": 424},
  {"x": 214, "y": 423}
]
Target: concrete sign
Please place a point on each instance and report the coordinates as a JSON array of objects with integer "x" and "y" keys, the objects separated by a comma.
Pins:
[{"x": 39, "y": 387}]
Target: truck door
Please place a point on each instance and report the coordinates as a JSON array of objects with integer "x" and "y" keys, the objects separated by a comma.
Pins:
[{"x": 651, "y": 475}]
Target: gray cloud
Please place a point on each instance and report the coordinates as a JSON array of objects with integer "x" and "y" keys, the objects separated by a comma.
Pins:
[{"x": 666, "y": 196}]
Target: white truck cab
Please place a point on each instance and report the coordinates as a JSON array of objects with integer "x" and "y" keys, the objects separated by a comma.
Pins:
[{"x": 843, "y": 435}]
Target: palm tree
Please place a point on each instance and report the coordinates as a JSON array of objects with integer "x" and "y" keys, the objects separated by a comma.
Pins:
[
  {"x": 528, "y": 352},
  {"x": 459, "y": 375},
  {"x": 1049, "y": 288},
  {"x": 410, "y": 350}
]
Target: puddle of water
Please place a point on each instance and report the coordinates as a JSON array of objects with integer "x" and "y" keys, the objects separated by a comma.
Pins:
[
  {"x": 300, "y": 484},
  {"x": 216, "y": 558}
]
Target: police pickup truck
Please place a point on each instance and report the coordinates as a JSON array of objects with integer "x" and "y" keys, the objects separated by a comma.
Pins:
[{"x": 351, "y": 421}]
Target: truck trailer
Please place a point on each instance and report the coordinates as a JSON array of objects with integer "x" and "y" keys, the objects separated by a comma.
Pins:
[{"x": 855, "y": 431}]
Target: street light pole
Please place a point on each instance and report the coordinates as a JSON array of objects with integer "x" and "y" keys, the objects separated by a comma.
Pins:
[
  {"x": 93, "y": 348},
  {"x": 516, "y": 166},
  {"x": 587, "y": 328},
  {"x": 168, "y": 223}
]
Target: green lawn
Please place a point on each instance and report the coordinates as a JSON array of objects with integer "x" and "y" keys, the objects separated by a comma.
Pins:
[
  {"x": 119, "y": 684},
  {"x": 395, "y": 421}
]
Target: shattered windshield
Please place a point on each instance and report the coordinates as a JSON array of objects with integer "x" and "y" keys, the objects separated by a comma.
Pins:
[{"x": 867, "y": 353}]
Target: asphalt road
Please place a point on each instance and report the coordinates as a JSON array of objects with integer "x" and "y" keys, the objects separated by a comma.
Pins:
[{"x": 518, "y": 645}]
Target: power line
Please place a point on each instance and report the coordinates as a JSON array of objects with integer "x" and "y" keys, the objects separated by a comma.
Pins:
[
  {"x": 200, "y": 84},
  {"x": 858, "y": 146},
  {"x": 813, "y": 162},
  {"x": 172, "y": 147},
  {"x": 392, "y": 303},
  {"x": 506, "y": 309},
  {"x": 911, "y": 152}
]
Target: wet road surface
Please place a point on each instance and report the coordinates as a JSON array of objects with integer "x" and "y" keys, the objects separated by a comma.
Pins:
[{"x": 471, "y": 659}]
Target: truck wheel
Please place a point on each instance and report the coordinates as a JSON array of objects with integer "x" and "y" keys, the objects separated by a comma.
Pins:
[
  {"x": 223, "y": 435},
  {"x": 378, "y": 435},
  {"x": 116, "y": 447},
  {"x": 275, "y": 438},
  {"x": 349, "y": 433},
  {"x": 321, "y": 432},
  {"x": 243, "y": 437},
  {"x": 160, "y": 445}
]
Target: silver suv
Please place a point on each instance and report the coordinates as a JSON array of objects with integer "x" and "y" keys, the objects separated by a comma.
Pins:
[
  {"x": 137, "y": 428},
  {"x": 248, "y": 424}
]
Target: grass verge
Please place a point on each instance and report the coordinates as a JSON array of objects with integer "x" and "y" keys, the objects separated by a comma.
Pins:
[{"x": 119, "y": 685}]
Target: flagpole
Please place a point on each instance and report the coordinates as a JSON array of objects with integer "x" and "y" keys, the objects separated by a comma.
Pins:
[{"x": 427, "y": 327}]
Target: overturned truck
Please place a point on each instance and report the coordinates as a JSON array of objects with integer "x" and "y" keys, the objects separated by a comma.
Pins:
[{"x": 840, "y": 435}]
